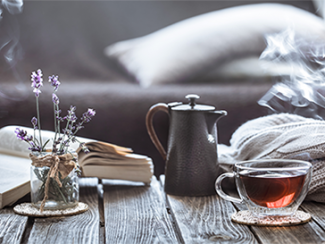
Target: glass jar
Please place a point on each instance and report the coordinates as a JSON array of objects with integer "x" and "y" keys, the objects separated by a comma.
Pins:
[{"x": 66, "y": 196}]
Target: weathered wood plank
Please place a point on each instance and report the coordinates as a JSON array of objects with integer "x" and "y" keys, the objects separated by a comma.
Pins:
[
  {"x": 317, "y": 211},
  {"x": 204, "y": 219},
  {"x": 81, "y": 228},
  {"x": 12, "y": 226},
  {"x": 136, "y": 214},
  {"x": 101, "y": 213},
  {"x": 306, "y": 233}
]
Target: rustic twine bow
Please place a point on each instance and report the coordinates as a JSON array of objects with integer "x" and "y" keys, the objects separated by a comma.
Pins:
[{"x": 57, "y": 163}]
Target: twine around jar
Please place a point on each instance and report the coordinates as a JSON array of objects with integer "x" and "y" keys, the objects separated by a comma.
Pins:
[{"x": 57, "y": 163}]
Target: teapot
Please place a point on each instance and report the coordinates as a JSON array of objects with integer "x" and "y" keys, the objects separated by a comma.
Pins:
[{"x": 191, "y": 159}]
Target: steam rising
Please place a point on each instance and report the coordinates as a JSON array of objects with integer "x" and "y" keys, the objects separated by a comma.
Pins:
[
  {"x": 13, "y": 6},
  {"x": 10, "y": 51},
  {"x": 303, "y": 90},
  {"x": 9, "y": 30}
]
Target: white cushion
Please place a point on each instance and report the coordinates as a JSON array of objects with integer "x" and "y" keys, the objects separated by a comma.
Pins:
[{"x": 194, "y": 47}]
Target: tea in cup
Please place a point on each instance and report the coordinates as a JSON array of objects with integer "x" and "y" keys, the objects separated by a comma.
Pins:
[{"x": 269, "y": 187}]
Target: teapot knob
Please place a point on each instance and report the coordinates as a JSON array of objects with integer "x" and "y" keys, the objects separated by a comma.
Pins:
[{"x": 192, "y": 98}]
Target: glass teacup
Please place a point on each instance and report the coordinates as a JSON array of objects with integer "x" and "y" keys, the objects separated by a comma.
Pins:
[{"x": 269, "y": 187}]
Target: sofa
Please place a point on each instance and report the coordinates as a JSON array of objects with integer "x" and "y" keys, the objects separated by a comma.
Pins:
[{"x": 99, "y": 50}]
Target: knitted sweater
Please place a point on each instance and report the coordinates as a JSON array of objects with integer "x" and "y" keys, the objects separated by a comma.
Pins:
[{"x": 286, "y": 136}]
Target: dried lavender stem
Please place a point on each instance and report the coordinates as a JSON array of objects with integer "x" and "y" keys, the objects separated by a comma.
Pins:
[{"x": 39, "y": 122}]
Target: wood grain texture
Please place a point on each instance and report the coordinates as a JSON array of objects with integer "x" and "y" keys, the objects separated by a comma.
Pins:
[
  {"x": 12, "y": 226},
  {"x": 81, "y": 228},
  {"x": 207, "y": 219},
  {"x": 136, "y": 214},
  {"x": 310, "y": 232},
  {"x": 317, "y": 211}
]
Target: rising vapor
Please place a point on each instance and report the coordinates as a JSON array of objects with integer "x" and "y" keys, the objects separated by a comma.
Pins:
[{"x": 303, "y": 90}]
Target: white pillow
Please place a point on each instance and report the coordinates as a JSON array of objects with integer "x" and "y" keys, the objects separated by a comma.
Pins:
[
  {"x": 194, "y": 47},
  {"x": 250, "y": 67}
]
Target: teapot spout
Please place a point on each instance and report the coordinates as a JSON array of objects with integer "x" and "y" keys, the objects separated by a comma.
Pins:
[{"x": 212, "y": 117}]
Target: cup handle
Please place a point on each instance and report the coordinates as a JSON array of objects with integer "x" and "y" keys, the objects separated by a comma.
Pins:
[
  {"x": 151, "y": 131},
  {"x": 221, "y": 193}
]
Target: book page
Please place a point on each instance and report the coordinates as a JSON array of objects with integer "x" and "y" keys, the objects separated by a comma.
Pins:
[
  {"x": 14, "y": 178},
  {"x": 14, "y": 171},
  {"x": 105, "y": 147}
]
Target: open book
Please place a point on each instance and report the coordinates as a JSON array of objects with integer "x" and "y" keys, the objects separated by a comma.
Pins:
[{"x": 105, "y": 161}]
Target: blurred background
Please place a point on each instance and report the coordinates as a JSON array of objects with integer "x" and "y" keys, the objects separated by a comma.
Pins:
[{"x": 121, "y": 82}]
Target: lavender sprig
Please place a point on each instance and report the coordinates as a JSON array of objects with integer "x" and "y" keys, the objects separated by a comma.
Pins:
[
  {"x": 54, "y": 80},
  {"x": 56, "y": 102},
  {"x": 87, "y": 116},
  {"x": 55, "y": 99},
  {"x": 37, "y": 83},
  {"x": 22, "y": 135},
  {"x": 83, "y": 147},
  {"x": 71, "y": 118},
  {"x": 34, "y": 123},
  {"x": 72, "y": 128}
]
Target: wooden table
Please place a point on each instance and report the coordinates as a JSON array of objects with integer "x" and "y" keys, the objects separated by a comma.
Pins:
[{"x": 123, "y": 213}]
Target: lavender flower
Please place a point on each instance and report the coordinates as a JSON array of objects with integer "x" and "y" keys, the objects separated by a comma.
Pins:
[
  {"x": 71, "y": 127},
  {"x": 86, "y": 116},
  {"x": 84, "y": 148},
  {"x": 37, "y": 81},
  {"x": 34, "y": 148},
  {"x": 71, "y": 114},
  {"x": 55, "y": 143},
  {"x": 66, "y": 144},
  {"x": 57, "y": 115},
  {"x": 79, "y": 126},
  {"x": 21, "y": 134},
  {"x": 34, "y": 122},
  {"x": 32, "y": 145},
  {"x": 60, "y": 118},
  {"x": 72, "y": 109},
  {"x": 54, "y": 82},
  {"x": 29, "y": 138},
  {"x": 73, "y": 139},
  {"x": 55, "y": 99}
]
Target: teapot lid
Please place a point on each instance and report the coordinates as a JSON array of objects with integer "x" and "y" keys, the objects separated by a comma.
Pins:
[{"x": 191, "y": 106}]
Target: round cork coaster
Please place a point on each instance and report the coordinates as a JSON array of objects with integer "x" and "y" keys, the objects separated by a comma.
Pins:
[
  {"x": 28, "y": 209},
  {"x": 247, "y": 218}
]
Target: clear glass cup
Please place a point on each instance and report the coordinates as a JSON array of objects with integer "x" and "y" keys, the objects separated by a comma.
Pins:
[
  {"x": 269, "y": 187},
  {"x": 66, "y": 196}
]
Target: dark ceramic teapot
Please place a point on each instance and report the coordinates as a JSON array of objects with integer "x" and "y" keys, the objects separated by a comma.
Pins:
[{"x": 191, "y": 159}]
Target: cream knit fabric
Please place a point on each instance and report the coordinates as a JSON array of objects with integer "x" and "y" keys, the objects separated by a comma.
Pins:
[{"x": 280, "y": 136}]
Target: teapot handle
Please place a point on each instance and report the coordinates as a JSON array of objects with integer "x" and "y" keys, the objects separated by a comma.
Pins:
[{"x": 151, "y": 131}]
